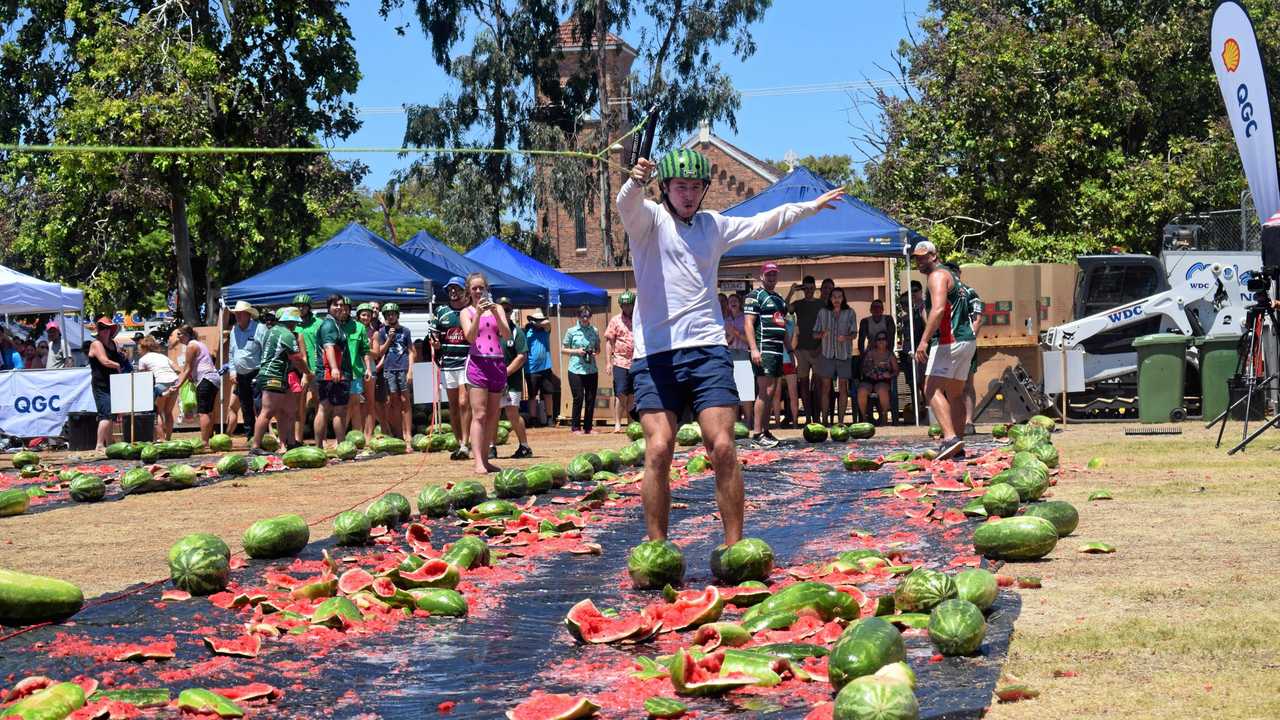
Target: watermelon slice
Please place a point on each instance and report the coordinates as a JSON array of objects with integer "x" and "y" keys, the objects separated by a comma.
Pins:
[
  {"x": 246, "y": 646},
  {"x": 588, "y": 625},
  {"x": 702, "y": 678},
  {"x": 690, "y": 609},
  {"x": 252, "y": 691},
  {"x": 175, "y": 595},
  {"x": 432, "y": 574},
  {"x": 27, "y": 686},
  {"x": 721, "y": 634},
  {"x": 544, "y": 706},
  {"x": 354, "y": 580},
  {"x": 419, "y": 537},
  {"x": 162, "y": 650}
]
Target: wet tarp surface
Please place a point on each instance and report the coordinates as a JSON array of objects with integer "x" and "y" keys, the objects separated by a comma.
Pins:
[{"x": 514, "y": 642}]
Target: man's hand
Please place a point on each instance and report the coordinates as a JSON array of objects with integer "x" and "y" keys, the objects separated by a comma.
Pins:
[
  {"x": 922, "y": 353},
  {"x": 756, "y": 359},
  {"x": 829, "y": 198},
  {"x": 643, "y": 171}
]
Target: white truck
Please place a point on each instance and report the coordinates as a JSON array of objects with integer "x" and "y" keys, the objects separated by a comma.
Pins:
[{"x": 1122, "y": 297}]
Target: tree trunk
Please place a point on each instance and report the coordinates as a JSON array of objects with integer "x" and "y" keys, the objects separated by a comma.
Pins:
[{"x": 182, "y": 249}]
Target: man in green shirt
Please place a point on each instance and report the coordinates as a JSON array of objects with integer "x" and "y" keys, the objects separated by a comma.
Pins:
[
  {"x": 450, "y": 348},
  {"x": 515, "y": 351},
  {"x": 766, "y": 327},
  {"x": 950, "y": 353},
  {"x": 280, "y": 354},
  {"x": 336, "y": 363},
  {"x": 308, "y": 326}
]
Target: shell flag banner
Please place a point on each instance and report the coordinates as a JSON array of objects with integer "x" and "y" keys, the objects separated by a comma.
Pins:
[{"x": 1234, "y": 50}]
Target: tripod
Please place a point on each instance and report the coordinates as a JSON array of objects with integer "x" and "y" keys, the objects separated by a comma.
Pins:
[{"x": 1252, "y": 366}]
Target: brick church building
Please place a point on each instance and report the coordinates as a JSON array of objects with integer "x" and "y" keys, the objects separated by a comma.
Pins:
[{"x": 575, "y": 233}]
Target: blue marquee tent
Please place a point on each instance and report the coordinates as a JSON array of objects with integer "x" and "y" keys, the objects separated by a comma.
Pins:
[
  {"x": 355, "y": 262},
  {"x": 852, "y": 228},
  {"x": 563, "y": 289},
  {"x": 428, "y": 248}
]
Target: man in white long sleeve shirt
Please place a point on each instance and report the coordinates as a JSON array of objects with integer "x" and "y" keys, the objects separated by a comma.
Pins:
[{"x": 680, "y": 355}]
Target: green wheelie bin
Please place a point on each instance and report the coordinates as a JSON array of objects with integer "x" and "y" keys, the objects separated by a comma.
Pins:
[
  {"x": 1161, "y": 373},
  {"x": 1219, "y": 360}
]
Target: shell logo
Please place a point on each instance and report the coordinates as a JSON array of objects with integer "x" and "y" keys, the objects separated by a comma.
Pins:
[{"x": 1231, "y": 54}]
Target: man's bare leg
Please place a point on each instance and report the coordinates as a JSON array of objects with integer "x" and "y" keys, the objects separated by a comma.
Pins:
[
  {"x": 717, "y": 436},
  {"x": 764, "y": 398},
  {"x": 655, "y": 489}
]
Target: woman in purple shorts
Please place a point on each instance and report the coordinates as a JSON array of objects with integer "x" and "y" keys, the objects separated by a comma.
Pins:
[{"x": 486, "y": 328}]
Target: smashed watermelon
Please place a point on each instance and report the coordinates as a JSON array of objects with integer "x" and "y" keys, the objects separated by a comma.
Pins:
[
  {"x": 588, "y": 625},
  {"x": 690, "y": 609},
  {"x": 545, "y": 706}
]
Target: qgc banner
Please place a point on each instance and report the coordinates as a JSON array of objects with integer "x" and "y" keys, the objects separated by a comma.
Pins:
[
  {"x": 36, "y": 402},
  {"x": 1234, "y": 50}
]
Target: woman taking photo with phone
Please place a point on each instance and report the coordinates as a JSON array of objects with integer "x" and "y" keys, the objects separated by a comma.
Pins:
[
  {"x": 581, "y": 344},
  {"x": 485, "y": 326}
]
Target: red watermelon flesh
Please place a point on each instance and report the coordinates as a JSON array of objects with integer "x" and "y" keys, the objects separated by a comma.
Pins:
[
  {"x": 252, "y": 691},
  {"x": 418, "y": 536},
  {"x": 377, "y": 531},
  {"x": 27, "y": 686},
  {"x": 354, "y": 580},
  {"x": 691, "y": 609},
  {"x": 430, "y": 571},
  {"x": 587, "y": 624},
  {"x": 87, "y": 684},
  {"x": 384, "y": 587},
  {"x": 162, "y": 650},
  {"x": 822, "y": 711},
  {"x": 542, "y": 706},
  {"x": 246, "y": 646}
]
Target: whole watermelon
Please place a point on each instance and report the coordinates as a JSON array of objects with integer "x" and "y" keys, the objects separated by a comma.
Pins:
[
  {"x": 208, "y": 541},
  {"x": 200, "y": 570},
  {"x": 436, "y": 442},
  {"x": 655, "y": 563},
  {"x": 1062, "y": 514},
  {"x": 935, "y": 431},
  {"x": 355, "y": 437},
  {"x": 509, "y": 483},
  {"x": 1001, "y": 500},
  {"x": 874, "y": 698},
  {"x": 741, "y": 431},
  {"x": 351, "y": 528},
  {"x": 815, "y": 432},
  {"x": 630, "y": 456},
  {"x": 182, "y": 475},
  {"x": 688, "y": 435},
  {"x": 280, "y": 536},
  {"x": 420, "y": 443},
  {"x": 383, "y": 512},
  {"x": 270, "y": 443},
  {"x": 977, "y": 586},
  {"x": 501, "y": 436},
  {"x": 838, "y": 433},
  {"x": 635, "y": 431},
  {"x": 220, "y": 443},
  {"x": 303, "y": 457},
  {"x": 466, "y": 494},
  {"x": 1047, "y": 454},
  {"x": 861, "y": 431},
  {"x": 1017, "y": 538},
  {"x": 23, "y": 458},
  {"x": 610, "y": 460},
  {"x": 117, "y": 451},
  {"x": 580, "y": 469},
  {"x": 922, "y": 590},
  {"x": 433, "y": 501},
  {"x": 956, "y": 627},
  {"x": 389, "y": 445},
  {"x": 747, "y": 559},
  {"x": 139, "y": 480},
  {"x": 346, "y": 450},
  {"x": 863, "y": 648},
  {"x": 88, "y": 488},
  {"x": 232, "y": 464},
  {"x": 538, "y": 480},
  {"x": 1043, "y": 421},
  {"x": 150, "y": 453},
  {"x": 1029, "y": 483}
]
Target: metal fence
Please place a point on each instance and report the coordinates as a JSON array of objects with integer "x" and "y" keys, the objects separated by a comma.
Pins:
[{"x": 1235, "y": 229}]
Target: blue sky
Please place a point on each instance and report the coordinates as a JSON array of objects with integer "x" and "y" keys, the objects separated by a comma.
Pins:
[{"x": 800, "y": 42}]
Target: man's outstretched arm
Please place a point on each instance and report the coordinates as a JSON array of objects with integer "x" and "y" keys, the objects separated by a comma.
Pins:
[{"x": 771, "y": 222}]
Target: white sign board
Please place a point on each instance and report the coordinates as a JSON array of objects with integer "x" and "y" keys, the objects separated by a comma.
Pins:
[
  {"x": 1053, "y": 371},
  {"x": 425, "y": 381},
  {"x": 745, "y": 378},
  {"x": 36, "y": 402},
  {"x": 132, "y": 392}
]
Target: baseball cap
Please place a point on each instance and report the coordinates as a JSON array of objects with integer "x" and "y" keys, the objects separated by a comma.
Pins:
[
  {"x": 924, "y": 247},
  {"x": 456, "y": 280},
  {"x": 51, "y": 325},
  {"x": 768, "y": 268}
]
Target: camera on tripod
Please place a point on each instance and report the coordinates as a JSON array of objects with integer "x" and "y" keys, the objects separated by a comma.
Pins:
[{"x": 1261, "y": 282}]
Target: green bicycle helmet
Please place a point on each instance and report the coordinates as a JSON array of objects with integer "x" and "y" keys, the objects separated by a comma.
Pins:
[
  {"x": 684, "y": 163},
  {"x": 390, "y": 308},
  {"x": 627, "y": 298}
]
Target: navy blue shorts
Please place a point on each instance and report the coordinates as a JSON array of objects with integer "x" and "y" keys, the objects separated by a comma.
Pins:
[
  {"x": 623, "y": 384},
  {"x": 698, "y": 377}
]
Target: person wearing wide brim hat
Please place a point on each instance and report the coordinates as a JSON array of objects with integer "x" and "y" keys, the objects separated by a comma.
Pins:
[
  {"x": 244, "y": 357},
  {"x": 105, "y": 360},
  {"x": 543, "y": 384},
  {"x": 283, "y": 361}
]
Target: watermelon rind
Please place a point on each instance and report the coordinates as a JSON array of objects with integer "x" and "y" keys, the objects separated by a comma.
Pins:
[
  {"x": 490, "y": 509},
  {"x": 54, "y": 702},
  {"x": 1001, "y": 500},
  {"x": 220, "y": 443},
  {"x": 956, "y": 627},
  {"x": 1062, "y": 514},
  {"x": 276, "y": 537},
  {"x": 747, "y": 559},
  {"x": 682, "y": 666},
  {"x": 433, "y": 501},
  {"x": 818, "y": 597},
  {"x": 200, "y": 700},
  {"x": 553, "y": 707},
  {"x": 863, "y": 648},
  {"x": 27, "y": 599},
  {"x": 740, "y": 431},
  {"x": 86, "y": 488},
  {"x": 440, "y": 601},
  {"x": 137, "y": 697},
  {"x": 203, "y": 540},
  {"x": 584, "y": 617},
  {"x": 688, "y": 435},
  {"x": 664, "y": 707},
  {"x": 977, "y": 586},
  {"x": 336, "y": 612},
  {"x": 655, "y": 563},
  {"x": 922, "y": 590},
  {"x": 467, "y": 552},
  {"x": 200, "y": 570},
  {"x": 1017, "y": 538},
  {"x": 876, "y": 698},
  {"x": 466, "y": 494}
]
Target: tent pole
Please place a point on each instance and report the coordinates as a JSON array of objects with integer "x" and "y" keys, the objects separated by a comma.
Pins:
[
  {"x": 911, "y": 352},
  {"x": 222, "y": 360},
  {"x": 435, "y": 365},
  {"x": 559, "y": 356}
]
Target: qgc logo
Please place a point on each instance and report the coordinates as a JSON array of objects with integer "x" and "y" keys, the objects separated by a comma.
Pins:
[{"x": 37, "y": 403}]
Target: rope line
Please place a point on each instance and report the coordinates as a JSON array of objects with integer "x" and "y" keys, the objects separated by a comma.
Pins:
[{"x": 212, "y": 150}]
